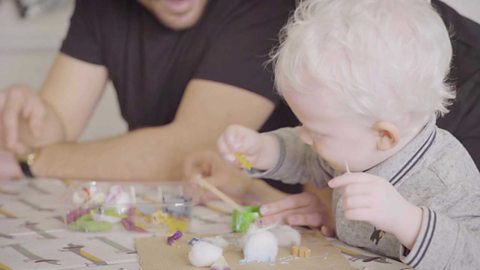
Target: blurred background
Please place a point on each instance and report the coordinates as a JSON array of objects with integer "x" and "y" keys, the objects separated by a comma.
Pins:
[{"x": 31, "y": 32}]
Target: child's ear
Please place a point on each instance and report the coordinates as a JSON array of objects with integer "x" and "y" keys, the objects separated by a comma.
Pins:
[{"x": 387, "y": 135}]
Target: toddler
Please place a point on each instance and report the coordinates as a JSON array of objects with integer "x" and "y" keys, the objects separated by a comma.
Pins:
[{"x": 366, "y": 78}]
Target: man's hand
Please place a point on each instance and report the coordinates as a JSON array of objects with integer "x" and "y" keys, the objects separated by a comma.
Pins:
[
  {"x": 304, "y": 209},
  {"x": 214, "y": 169},
  {"x": 372, "y": 199},
  {"x": 22, "y": 118},
  {"x": 9, "y": 168}
]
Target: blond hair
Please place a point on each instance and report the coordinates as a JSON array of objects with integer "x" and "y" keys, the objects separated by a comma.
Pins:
[{"x": 379, "y": 58}]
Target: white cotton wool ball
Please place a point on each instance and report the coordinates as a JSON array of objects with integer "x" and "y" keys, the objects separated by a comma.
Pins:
[
  {"x": 286, "y": 235},
  {"x": 204, "y": 254},
  {"x": 260, "y": 245}
]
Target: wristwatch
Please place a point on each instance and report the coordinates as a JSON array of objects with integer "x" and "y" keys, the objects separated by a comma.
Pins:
[{"x": 26, "y": 162}]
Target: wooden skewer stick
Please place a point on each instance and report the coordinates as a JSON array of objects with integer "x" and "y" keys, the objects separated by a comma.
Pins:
[
  {"x": 347, "y": 169},
  {"x": 204, "y": 184}
]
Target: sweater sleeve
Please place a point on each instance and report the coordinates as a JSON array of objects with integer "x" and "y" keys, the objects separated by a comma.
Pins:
[
  {"x": 298, "y": 162},
  {"x": 449, "y": 237}
]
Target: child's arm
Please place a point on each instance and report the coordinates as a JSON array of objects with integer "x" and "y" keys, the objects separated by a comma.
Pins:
[
  {"x": 449, "y": 236},
  {"x": 443, "y": 232},
  {"x": 278, "y": 155},
  {"x": 370, "y": 198}
]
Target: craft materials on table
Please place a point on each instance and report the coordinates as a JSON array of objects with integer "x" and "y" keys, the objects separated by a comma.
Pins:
[
  {"x": 286, "y": 235},
  {"x": 242, "y": 220},
  {"x": 301, "y": 251},
  {"x": 242, "y": 217},
  {"x": 174, "y": 237},
  {"x": 102, "y": 207},
  {"x": 203, "y": 254},
  {"x": 204, "y": 184},
  {"x": 259, "y": 245},
  {"x": 34, "y": 236},
  {"x": 154, "y": 251}
]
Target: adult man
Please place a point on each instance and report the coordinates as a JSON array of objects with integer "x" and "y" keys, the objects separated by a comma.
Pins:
[
  {"x": 183, "y": 70},
  {"x": 463, "y": 121}
]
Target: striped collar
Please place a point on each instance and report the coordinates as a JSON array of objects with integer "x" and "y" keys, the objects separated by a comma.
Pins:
[{"x": 404, "y": 161}]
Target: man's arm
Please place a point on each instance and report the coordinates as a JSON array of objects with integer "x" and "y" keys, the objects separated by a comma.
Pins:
[
  {"x": 58, "y": 112},
  {"x": 158, "y": 153},
  {"x": 72, "y": 89}
]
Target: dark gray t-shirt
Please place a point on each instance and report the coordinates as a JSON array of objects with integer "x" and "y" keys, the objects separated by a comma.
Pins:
[{"x": 150, "y": 65}]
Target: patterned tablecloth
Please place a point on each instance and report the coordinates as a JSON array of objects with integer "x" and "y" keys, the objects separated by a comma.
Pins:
[{"x": 33, "y": 235}]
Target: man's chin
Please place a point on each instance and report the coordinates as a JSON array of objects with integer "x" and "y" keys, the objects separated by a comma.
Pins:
[{"x": 179, "y": 24}]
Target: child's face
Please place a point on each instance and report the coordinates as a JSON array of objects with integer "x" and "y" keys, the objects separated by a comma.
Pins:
[{"x": 336, "y": 137}]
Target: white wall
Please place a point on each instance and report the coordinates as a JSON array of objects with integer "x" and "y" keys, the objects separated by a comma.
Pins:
[{"x": 27, "y": 49}]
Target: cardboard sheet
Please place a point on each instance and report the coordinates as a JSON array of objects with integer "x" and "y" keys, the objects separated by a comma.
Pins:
[{"x": 155, "y": 254}]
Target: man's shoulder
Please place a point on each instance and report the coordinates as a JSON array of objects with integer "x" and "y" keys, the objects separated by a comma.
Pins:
[
  {"x": 449, "y": 161},
  {"x": 463, "y": 29}
]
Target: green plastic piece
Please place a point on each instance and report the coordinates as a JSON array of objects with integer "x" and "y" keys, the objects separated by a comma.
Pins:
[
  {"x": 241, "y": 221},
  {"x": 87, "y": 224}
]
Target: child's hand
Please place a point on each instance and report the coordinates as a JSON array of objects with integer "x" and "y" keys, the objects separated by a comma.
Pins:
[
  {"x": 369, "y": 198},
  {"x": 259, "y": 149},
  {"x": 303, "y": 209}
]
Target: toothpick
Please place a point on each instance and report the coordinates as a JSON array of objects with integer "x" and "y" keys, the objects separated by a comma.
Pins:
[
  {"x": 347, "y": 169},
  {"x": 204, "y": 184}
]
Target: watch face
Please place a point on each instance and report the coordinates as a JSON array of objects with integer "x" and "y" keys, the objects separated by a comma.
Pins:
[
  {"x": 26, "y": 162},
  {"x": 25, "y": 167}
]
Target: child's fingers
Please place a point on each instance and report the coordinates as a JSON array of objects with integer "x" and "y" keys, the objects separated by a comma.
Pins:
[
  {"x": 288, "y": 203},
  {"x": 225, "y": 151},
  {"x": 270, "y": 220},
  {"x": 348, "y": 179},
  {"x": 357, "y": 189},
  {"x": 314, "y": 220},
  {"x": 233, "y": 137},
  {"x": 242, "y": 139},
  {"x": 327, "y": 231},
  {"x": 354, "y": 202}
]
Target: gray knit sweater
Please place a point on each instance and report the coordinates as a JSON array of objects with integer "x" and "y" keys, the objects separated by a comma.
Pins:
[{"x": 434, "y": 172}]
